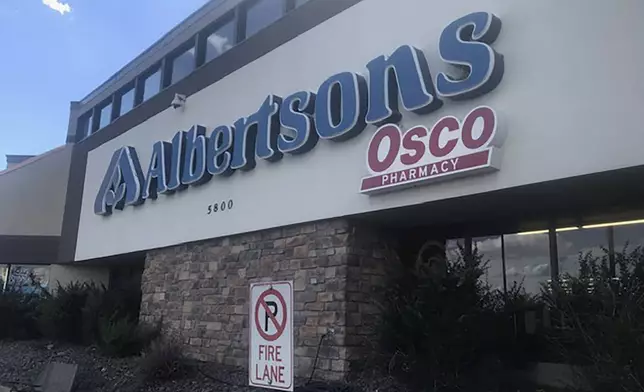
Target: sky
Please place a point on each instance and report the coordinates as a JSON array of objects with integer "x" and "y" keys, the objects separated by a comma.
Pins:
[{"x": 58, "y": 51}]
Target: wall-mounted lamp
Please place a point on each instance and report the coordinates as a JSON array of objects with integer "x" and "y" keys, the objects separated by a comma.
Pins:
[{"x": 179, "y": 102}]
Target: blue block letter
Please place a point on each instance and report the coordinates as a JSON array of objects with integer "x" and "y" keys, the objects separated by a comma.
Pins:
[
  {"x": 156, "y": 181},
  {"x": 296, "y": 115},
  {"x": 405, "y": 72},
  {"x": 194, "y": 157},
  {"x": 466, "y": 44},
  {"x": 121, "y": 185},
  {"x": 219, "y": 156},
  {"x": 340, "y": 106}
]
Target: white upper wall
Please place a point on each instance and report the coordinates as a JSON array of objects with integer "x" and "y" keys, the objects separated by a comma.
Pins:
[
  {"x": 570, "y": 101},
  {"x": 32, "y": 195}
]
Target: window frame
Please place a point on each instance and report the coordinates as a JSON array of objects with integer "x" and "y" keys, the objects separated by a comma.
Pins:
[
  {"x": 141, "y": 81},
  {"x": 168, "y": 62},
  {"x": 242, "y": 18},
  {"x": 204, "y": 34},
  {"x": 118, "y": 99},
  {"x": 85, "y": 124},
  {"x": 98, "y": 109}
]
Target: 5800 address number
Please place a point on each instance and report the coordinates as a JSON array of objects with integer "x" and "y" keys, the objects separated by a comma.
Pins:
[{"x": 219, "y": 207}]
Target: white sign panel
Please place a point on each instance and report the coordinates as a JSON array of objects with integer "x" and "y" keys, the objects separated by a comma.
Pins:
[{"x": 271, "y": 335}]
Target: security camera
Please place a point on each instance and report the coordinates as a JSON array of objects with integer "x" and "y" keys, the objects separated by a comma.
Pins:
[{"x": 179, "y": 101}]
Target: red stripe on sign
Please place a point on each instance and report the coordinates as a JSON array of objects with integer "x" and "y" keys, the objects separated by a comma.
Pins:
[{"x": 419, "y": 173}]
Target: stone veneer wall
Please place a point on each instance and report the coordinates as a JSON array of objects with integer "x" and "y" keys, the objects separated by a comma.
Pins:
[{"x": 201, "y": 290}]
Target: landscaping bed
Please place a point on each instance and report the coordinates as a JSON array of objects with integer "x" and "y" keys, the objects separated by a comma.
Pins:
[{"x": 22, "y": 361}]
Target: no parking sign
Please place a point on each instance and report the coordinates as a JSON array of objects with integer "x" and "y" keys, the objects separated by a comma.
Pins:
[{"x": 271, "y": 335}]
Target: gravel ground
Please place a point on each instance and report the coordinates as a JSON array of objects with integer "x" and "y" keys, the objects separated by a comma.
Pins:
[{"x": 21, "y": 362}]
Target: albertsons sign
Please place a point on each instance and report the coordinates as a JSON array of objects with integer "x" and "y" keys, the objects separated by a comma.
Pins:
[{"x": 342, "y": 107}]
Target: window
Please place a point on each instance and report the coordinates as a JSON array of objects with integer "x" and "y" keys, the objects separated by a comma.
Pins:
[
  {"x": 27, "y": 278},
  {"x": 628, "y": 235},
  {"x": 4, "y": 270},
  {"x": 573, "y": 244},
  {"x": 127, "y": 101},
  {"x": 183, "y": 65},
  {"x": 152, "y": 85},
  {"x": 527, "y": 261},
  {"x": 262, "y": 13},
  {"x": 220, "y": 40},
  {"x": 85, "y": 125},
  {"x": 105, "y": 117},
  {"x": 490, "y": 250},
  {"x": 300, "y": 2},
  {"x": 454, "y": 250}
]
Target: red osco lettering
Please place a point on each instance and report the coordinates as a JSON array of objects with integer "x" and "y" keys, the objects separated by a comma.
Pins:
[
  {"x": 489, "y": 125},
  {"x": 446, "y": 123},
  {"x": 393, "y": 134},
  {"x": 410, "y": 142}
]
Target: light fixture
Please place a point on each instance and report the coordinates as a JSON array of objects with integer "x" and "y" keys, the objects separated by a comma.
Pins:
[
  {"x": 533, "y": 232},
  {"x": 623, "y": 223},
  {"x": 568, "y": 229},
  {"x": 546, "y": 231}
]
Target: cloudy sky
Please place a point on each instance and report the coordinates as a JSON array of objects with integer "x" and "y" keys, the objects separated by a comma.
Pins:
[{"x": 59, "y": 51}]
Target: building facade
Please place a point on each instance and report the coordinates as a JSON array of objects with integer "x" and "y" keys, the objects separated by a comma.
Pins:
[{"x": 306, "y": 140}]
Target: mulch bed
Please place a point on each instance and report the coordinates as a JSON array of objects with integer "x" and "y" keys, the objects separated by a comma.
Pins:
[{"x": 21, "y": 362}]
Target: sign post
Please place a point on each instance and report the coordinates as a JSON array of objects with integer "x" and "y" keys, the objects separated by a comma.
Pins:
[{"x": 271, "y": 336}]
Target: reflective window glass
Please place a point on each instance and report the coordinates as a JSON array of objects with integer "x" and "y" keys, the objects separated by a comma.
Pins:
[
  {"x": 152, "y": 85},
  {"x": 86, "y": 125},
  {"x": 106, "y": 116},
  {"x": 527, "y": 261},
  {"x": 575, "y": 245},
  {"x": 4, "y": 270},
  {"x": 183, "y": 65},
  {"x": 220, "y": 40},
  {"x": 454, "y": 250},
  {"x": 628, "y": 236},
  {"x": 27, "y": 278},
  {"x": 127, "y": 101},
  {"x": 261, "y": 14},
  {"x": 490, "y": 251}
]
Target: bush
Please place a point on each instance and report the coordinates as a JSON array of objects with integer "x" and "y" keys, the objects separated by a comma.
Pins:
[
  {"x": 600, "y": 320},
  {"x": 442, "y": 326},
  {"x": 123, "y": 337},
  {"x": 19, "y": 314},
  {"x": 437, "y": 326},
  {"x": 163, "y": 360},
  {"x": 75, "y": 313},
  {"x": 61, "y": 313},
  {"x": 112, "y": 304}
]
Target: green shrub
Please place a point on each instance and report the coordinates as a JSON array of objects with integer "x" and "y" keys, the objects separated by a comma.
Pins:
[
  {"x": 112, "y": 304},
  {"x": 123, "y": 337},
  {"x": 74, "y": 313},
  {"x": 442, "y": 326},
  {"x": 600, "y": 320},
  {"x": 61, "y": 313},
  {"x": 19, "y": 313},
  {"x": 163, "y": 360}
]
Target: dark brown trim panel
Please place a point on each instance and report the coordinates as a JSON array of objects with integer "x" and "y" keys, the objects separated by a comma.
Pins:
[
  {"x": 73, "y": 201},
  {"x": 290, "y": 26},
  {"x": 28, "y": 249}
]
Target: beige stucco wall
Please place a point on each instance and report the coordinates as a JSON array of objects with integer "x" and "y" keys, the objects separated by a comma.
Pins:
[
  {"x": 65, "y": 274},
  {"x": 32, "y": 195}
]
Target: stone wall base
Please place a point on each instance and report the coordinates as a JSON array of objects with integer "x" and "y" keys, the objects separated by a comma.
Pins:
[{"x": 201, "y": 291}]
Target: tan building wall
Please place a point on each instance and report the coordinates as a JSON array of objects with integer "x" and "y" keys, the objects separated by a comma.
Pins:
[{"x": 32, "y": 195}]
